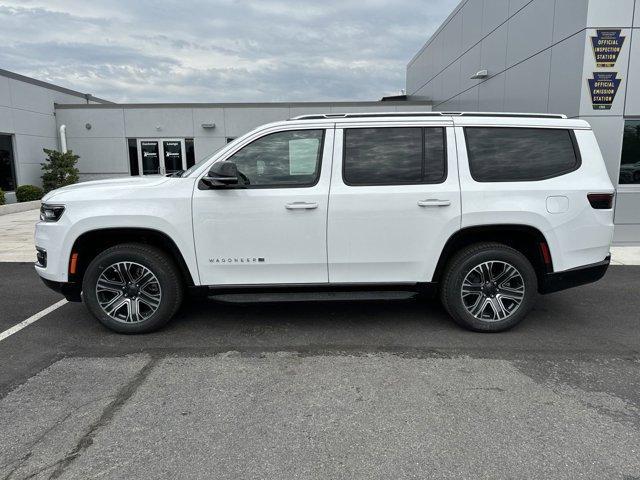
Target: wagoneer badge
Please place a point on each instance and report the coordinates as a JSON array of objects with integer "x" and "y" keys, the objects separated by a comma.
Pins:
[{"x": 237, "y": 260}]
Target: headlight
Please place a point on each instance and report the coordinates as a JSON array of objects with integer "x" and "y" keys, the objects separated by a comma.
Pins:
[{"x": 51, "y": 213}]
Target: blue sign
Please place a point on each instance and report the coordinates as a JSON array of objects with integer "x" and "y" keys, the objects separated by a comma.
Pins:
[
  {"x": 603, "y": 87},
  {"x": 607, "y": 45}
]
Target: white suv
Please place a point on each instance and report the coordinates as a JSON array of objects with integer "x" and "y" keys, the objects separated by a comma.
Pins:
[{"x": 488, "y": 210}]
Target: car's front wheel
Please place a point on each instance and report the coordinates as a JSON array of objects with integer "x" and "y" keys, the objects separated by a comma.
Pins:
[
  {"x": 489, "y": 287},
  {"x": 132, "y": 288}
]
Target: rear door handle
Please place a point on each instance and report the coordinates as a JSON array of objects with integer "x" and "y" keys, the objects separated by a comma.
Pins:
[
  {"x": 434, "y": 202},
  {"x": 301, "y": 206}
]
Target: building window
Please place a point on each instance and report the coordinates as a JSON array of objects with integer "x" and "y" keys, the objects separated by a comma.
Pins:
[
  {"x": 630, "y": 161},
  {"x": 501, "y": 154},
  {"x": 190, "y": 152},
  {"x": 394, "y": 156},
  {"x": 229, "y": 139},
  {"x": 7, "y": 166},
  {"x": 133, "y": 156}
]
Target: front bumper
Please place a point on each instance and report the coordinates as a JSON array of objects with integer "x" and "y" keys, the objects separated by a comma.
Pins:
[
  {"x": 71, "y": 291},
  {"x": 557, "y": 281}
]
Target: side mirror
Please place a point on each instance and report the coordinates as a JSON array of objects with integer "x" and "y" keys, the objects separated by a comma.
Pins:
[{"x": 222, "y": 175}]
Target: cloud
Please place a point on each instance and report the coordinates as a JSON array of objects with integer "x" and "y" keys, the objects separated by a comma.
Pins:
[{"x": 215, "y": 51}]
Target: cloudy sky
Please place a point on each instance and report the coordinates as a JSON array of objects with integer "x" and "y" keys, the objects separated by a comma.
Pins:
[{"x": 218, "y": 50}]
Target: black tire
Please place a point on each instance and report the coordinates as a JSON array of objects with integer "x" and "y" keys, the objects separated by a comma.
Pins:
[
  {"x": 462, "y": 267},
  {"x": 167, "y": 276}
]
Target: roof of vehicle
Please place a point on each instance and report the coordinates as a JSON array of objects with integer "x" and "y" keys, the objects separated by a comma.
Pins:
[{"x": 456, "y": 118}]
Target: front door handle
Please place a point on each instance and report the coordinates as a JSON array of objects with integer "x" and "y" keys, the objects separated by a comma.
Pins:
[
  {"x": 301, "y": 206},
  {"x": 434, "y": 202}
]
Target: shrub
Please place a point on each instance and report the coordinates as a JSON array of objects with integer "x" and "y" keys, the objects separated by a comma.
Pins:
[
  {"x": 59, "y": 169},
  {"x": 1, "y": 197},
  {"x": 28, "y": 193}
]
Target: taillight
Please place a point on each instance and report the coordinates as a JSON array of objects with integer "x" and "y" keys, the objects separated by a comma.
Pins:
[
  {"x": 546, "y": 255},
  {"x": 601, "y": 201}
]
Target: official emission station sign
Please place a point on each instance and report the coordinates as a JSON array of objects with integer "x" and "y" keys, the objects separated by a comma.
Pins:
[{"x": 607, "y": 45}]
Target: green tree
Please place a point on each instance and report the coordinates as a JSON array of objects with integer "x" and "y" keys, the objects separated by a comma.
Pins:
[{"x": 59, "y": 169}]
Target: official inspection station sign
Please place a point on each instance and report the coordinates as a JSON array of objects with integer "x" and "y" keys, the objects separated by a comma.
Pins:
[{"x": 607, "y": 45}]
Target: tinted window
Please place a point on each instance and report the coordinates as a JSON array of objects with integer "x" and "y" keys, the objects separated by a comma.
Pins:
[
  {"x": 394, "y": 156},
  {"x": 7, "y": 168},
  {"x": 630, "y": 161},
  {"x": 519, "y": 154},
  {"x": 282, "y": 159},
  {"x": 190, "y": 153},
  {"x": 133, "y": 156}
]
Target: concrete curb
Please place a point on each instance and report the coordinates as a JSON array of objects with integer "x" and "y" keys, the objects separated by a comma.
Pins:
[{"x": 19, "y": 207}]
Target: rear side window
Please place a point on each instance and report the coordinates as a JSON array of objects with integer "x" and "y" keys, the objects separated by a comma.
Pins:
[
  {"x": 500, "y": 154},
  {"x": 394, "y": 156}
]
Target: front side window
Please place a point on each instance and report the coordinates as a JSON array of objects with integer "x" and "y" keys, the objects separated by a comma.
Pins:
[
  {"x": 282, "y": 159},
  {"x": 394, "y": 156},
  {"x": 509, "y": 154},
  {"x": 630, "y": 161}
]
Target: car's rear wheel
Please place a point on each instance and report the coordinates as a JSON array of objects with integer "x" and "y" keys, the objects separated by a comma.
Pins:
[
  {"x": 489, "y": 287},
  {"x": 132, "y": 288}
]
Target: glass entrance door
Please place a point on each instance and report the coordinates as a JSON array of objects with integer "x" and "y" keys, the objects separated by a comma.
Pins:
[{"x": 161, "y": 156}]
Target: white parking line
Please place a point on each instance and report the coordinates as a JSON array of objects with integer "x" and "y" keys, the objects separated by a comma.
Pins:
[{"x": 30, "y": 320}]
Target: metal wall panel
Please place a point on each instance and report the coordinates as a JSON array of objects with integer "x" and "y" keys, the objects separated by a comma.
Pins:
[
  {"x": 469, "y": 65},
  {"x": 29, "y": 156},
  {"x": 32, "y": 123},
  {"x": 530, "y": 31},
  {"x": 472, "y": 23},
  {"x": 494, "y": 14},
  {"x": 101, "y": 155},
  {"x": 104, "y": 122},
  {"x": 610, "y": 13},
  {"x": 5, "y": 93},
  {"x": 527, "y": 85},
  {"x": 239, "y": 121},
  {"x": 204, "y": 147},
  {"x": 570, "y": 16},
  {"x": 566, "y": 83},
  {"x": 6, "y": 120},
  {"x": 468, "y": 100},
  {"x": 208, "y": 116},
  {"x": 158, "y": 122},
  {"x": 491, "y": 94},
  {"x": 515, "y": 5},
  {"x": 493, "y": 55}
]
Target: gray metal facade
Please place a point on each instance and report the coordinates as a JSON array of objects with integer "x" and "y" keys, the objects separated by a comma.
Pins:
[
  {"x": 103, "y": 147},
  {"x": 539, "y": 58},
  {"x": 27, "y": 115}
]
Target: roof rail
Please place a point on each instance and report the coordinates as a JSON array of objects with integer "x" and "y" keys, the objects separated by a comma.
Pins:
[{"x": 322, "y": 116}]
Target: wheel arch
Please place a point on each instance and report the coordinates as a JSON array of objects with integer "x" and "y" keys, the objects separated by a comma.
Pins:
[
  {"x": 90, "y": 243},
  {"x": 528, "y": 240}
]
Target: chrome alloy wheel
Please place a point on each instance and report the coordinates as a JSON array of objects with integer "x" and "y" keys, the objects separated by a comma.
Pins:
[
  {"x": 492, "y": 291},
  {"x": 128, "y": 292}
]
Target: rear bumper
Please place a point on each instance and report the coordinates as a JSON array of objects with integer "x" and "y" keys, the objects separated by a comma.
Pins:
[
  {"x": 71, "y": 291},
  {"x": 557, "y": 281}
]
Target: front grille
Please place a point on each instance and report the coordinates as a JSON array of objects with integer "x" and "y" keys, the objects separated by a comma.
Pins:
[{"x": 41, "y": 257}]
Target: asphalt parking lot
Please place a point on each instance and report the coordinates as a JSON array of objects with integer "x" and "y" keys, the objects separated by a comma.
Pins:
[{"x": 322, "y": 388}]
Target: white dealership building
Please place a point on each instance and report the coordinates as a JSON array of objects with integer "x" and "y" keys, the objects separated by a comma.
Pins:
[
  {"x": 580, "y": 58},
  {"x": 576, "y": 57}
]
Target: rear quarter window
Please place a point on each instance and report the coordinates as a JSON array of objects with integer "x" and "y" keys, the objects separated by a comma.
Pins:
[{"x": 511, "y": 154}]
